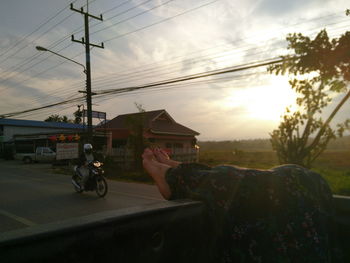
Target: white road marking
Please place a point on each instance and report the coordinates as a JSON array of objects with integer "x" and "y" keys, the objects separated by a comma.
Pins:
[{"x": 17, "y": 218}]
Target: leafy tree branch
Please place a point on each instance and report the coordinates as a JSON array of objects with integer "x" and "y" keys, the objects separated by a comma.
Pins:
[{"x": 321, "y": 69}]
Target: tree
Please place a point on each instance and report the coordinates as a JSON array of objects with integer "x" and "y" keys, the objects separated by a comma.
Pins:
[
  {"x": 57, "y": 118},
  {"x": 321, "y": 69},
  {"x": 137, "y": 141},
  {"x": 78, "y": 117}
]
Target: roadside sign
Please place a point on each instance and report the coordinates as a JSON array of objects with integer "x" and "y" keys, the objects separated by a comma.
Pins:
[
  {"x": 96, "y": 114},
  {"x": 66, "y": 151}
]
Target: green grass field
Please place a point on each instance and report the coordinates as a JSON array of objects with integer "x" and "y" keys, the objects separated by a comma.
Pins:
[{"x": 334, "y": 166}]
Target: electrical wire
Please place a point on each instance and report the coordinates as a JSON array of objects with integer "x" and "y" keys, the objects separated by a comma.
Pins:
[
  {"x": 137, "y": 74},
  {"x": 161, "y": 21},
  {"x": 155, "y": 84},
  {"x": 80, "y": 86},
  {"x": 38, "y": 28},
  {"x": 41, "y": 35},
  {"x": 129, "y": 18},
  {"x": 312, "y": 19}
]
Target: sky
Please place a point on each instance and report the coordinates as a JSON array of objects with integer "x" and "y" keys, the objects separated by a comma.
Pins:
[{"x": 148, "y": 41}]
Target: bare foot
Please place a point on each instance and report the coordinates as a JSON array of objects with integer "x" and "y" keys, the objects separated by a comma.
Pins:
[
  {"x": 157, "y": 171},
  {"x": 164, "y": 158}
]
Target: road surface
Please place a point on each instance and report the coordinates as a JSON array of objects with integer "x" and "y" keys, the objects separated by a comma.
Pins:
[{"x": 31, "y": 194}]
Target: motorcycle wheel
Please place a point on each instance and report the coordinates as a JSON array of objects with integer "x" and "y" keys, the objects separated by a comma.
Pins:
[
  {"x": 77, "y": 180},
  {"x": 101, "y": 186}
]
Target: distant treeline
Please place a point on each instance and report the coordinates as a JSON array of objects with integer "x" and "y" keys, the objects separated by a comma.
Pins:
[{"x": 340, "y": 144}]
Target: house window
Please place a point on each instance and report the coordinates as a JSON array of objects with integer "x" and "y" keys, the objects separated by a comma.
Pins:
[
  {"x": 178, "y": 145},
  {"x": 1, "y": 130},
  {"x": 174, "y": 145}
]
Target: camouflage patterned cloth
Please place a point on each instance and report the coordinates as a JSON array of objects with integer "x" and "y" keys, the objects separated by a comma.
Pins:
[{"x": 280, "y": 215}]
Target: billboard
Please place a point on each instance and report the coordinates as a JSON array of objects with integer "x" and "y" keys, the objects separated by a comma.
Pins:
[{"x": 65, "y": 151}]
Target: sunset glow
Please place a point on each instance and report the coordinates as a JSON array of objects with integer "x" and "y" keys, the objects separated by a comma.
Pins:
[
  {"x": 264, "y": 102},
  {"x": 149, "y": 42}
]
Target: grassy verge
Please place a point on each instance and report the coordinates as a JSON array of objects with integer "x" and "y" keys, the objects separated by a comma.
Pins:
[
  {"x": 333, "y": 166},
  {"x": 339, "y": 181}
]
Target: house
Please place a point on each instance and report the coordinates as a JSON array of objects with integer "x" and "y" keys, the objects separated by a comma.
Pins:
[{"x": 158, "y": 128}]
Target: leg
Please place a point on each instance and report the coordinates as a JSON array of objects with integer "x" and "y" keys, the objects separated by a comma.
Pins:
[{"x": 157, "y": 171}]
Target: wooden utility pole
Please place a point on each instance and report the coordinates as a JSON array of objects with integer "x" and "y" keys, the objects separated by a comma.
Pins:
[{"x": 86, "y": 41}]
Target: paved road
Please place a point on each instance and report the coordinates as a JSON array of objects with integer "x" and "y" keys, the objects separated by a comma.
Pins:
[{"x": 31, "y": 194}]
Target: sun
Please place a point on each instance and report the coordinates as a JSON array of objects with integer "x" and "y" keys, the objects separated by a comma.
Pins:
[{"x": 267, "y": 102}]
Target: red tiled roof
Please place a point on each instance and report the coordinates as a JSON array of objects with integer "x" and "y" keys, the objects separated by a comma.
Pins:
[
  {"x": 158, "y": 122},
  {"x": 121, "y": 121},
  {"x": 175, "y": 128}
]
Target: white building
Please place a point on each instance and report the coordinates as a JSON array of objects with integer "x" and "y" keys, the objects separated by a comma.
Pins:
[{"x": 11, "y": 127}]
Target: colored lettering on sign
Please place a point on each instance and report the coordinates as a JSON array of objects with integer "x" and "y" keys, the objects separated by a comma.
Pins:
[
  {"x": 62, "y": 137},
  {"x": 53, "y": 138}
]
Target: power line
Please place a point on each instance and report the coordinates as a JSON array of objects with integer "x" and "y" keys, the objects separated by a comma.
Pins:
[
  {"x": 42, "y": 107},
  {"x": 152, "y": 85},
  {"x": 118, "y": 82},
  {"x": 144, "y": 73},
  {"x": 48, "y": 111},
  {"x": 38, "y": 28},
  {"x": 139, "y": 14},
  {"x": 195, "y": 76},
  {"x": 41, "y": 35},
  {"x": 52, "y": 45},
  {"x": 139, "y": 76},
  {"x": 161, "y": 21},
  {"x": 30, "y": 67},
  {"x": 140, "y": 73},
  {"x": 79, "y": 85},
  {"x": 47, "y": 70},
  {"x": 311, "y": 20},
  {"x": 182, "y": 85}
]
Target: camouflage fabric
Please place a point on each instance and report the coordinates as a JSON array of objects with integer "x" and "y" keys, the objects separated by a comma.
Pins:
[{"x": 280, "y": 215}]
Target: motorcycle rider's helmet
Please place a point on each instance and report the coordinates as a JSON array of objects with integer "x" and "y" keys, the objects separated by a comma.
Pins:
[{"x": 87, "y": 148}]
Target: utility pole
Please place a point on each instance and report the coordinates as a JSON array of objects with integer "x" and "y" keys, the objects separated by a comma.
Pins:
[{"x": 86, "y": 41}]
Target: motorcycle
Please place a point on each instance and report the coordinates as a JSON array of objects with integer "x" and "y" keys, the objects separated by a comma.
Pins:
[{"x": 96, "y": 180}]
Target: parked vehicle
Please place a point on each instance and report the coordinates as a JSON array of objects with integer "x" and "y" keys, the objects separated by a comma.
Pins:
[
  {"x": 41, "y": 154},
  {"x": 95, "y": 182}
]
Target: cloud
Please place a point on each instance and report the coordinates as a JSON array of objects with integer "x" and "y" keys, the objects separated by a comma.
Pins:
[
  {"x": 223, "y": 34},
  {"x": 281, "y": 8},
  {"x": 18, "y": 96}
]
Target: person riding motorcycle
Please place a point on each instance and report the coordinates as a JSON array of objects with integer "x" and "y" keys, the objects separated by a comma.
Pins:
[{"x": 85, "y": 158}]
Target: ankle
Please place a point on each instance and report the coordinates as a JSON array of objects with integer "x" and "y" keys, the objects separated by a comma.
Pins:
[{"x": 173, "y": 163}]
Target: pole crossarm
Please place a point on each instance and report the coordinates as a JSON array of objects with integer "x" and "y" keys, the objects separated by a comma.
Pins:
[
  {"x": 81, "y": 11},
  {"x": 82, "y": 41}
]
